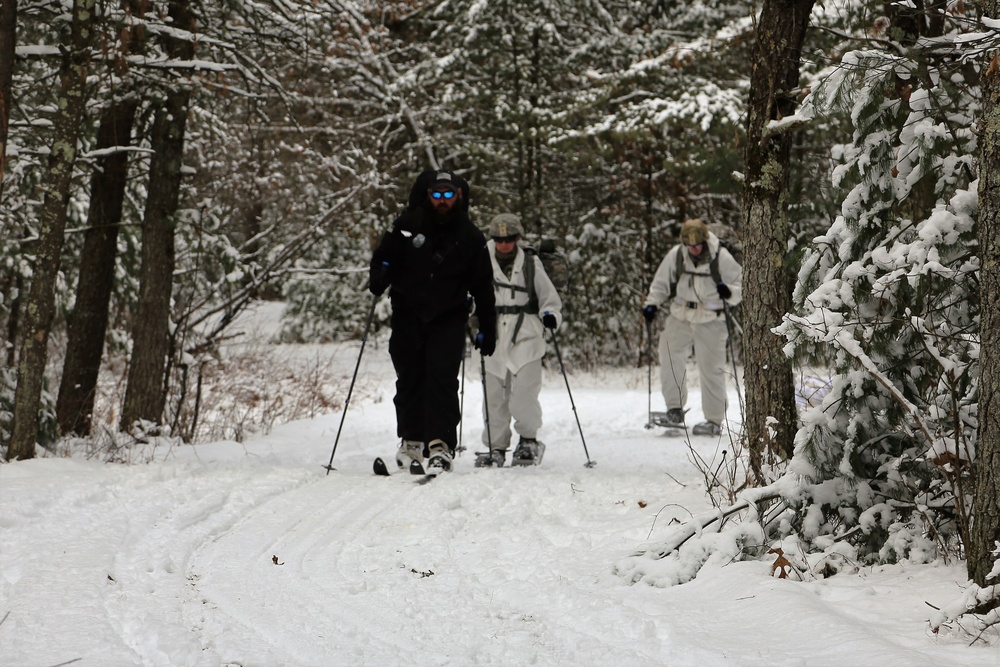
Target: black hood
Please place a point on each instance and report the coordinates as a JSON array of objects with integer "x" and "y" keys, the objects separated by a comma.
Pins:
[{"x": 418, "y": 193}]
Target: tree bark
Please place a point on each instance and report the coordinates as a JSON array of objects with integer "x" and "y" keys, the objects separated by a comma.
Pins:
[
  {"x": 8, "y": 40},
  {"x": 145, "y": 395},
  {"x": 767, "y": 290},
  {"x": 985, "y": 530},
  {"x": 40, "y": 307},
  {"x": 89, "y": 321}
]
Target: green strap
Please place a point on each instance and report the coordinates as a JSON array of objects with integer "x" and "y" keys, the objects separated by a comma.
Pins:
[
  {"x": 713, "y": 269},
  {"x": 532, "y": 306}
]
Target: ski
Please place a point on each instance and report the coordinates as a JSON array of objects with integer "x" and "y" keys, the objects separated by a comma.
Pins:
[
  {"x": 382, "y": 470},
  {"x": 425, "y": 479},
  {"x": 379, "y": 467}
]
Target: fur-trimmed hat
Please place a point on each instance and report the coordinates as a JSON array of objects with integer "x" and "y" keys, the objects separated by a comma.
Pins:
[{"x": 693, "y": 232}]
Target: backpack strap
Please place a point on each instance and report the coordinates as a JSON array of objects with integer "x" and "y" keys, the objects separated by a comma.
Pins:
[
  {"x": 529, "y": 278},
  {"x": 531, "y": 307},
  {"x": 713, "y": 268}
]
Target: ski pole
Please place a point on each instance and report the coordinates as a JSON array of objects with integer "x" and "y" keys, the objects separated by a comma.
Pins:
[
  {"x": 486, "y": 403},
  {"x": 732, "y": 355},
  {"x": 649, "y": 374},
  {"x": 461, "y": 403},
  {"x": 461, "y": 390},
  {"x": 347, "y": 401},
  {"x": 555, "y": 344}
]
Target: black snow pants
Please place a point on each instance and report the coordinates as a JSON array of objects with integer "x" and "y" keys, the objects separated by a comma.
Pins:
[{"x": 427, "y": 357}]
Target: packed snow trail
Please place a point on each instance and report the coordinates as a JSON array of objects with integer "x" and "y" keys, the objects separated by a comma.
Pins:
[{"x": 249, "y": 553}]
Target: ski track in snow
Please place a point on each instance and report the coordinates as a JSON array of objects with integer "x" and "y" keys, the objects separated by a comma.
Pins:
[{"x": 240, "y": 555}]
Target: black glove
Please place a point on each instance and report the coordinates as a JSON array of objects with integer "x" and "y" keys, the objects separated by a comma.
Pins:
[
  {"x": 549, "y": 321},
  {"x": 724, "y": 290},
  {"x": 649, "y": 312},
  {"x": 378, "y": 279},
  {"x": 486, "y": 343}
]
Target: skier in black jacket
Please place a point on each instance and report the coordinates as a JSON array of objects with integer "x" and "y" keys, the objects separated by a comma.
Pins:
[{"x": 433, "y": 258}]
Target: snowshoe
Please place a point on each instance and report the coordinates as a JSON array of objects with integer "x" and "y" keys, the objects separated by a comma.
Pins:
[
  {"x": 529, "y": 452},
  {"x": 673, "y": 418},
  {"x": 707, "y": 428},
  {"x": 491, "y": 459}
]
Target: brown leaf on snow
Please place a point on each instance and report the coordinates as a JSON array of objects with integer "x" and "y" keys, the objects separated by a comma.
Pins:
[
  {"x": 642, "y": 503},
  {"x": 994, "y": 66},
  {"x": 948, "y": 459},
  {"x": 274, "y": 559},
  {"x": 781, "y": 565}
]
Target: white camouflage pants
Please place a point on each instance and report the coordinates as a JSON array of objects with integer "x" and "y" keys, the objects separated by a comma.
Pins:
[
  {"x": 513, "y": 396},
  {"x": 709, "y": 341}
]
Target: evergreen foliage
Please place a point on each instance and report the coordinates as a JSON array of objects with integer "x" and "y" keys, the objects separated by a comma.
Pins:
[
  {"x": 887, "y": 296},
  {"x": 889, "y": 293}
]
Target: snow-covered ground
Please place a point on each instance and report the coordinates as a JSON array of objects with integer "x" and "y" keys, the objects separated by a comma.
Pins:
[{"x": 250, "y": 554}]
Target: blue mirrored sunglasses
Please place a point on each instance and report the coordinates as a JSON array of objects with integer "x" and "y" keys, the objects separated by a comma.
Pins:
[{"x": 447, "y": 194}]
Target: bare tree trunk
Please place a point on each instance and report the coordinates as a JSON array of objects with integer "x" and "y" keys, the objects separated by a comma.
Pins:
[
  {"x": 8, "y": 40},
  {"x": 767, "y": 292},
  {"x": 89, "y": 321},
  {"x": 40, "y": 307},
  {"x": 12, "y": 286},
  {"x": 985, "y": 530},
  {"x": 145, "y": 395}
]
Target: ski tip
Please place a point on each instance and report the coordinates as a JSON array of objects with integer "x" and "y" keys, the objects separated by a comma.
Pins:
[{"x": 379, "y": 467}]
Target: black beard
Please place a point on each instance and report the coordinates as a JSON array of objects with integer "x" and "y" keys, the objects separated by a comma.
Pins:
[{"x": 443, "y": 218}]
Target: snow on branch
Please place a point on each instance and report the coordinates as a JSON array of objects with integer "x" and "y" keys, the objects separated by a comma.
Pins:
[
  {"x": 712, "y": 537},
  {"x": 976, "y": 610}
]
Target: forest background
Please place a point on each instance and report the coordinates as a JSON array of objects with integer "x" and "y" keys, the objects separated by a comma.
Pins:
[{"x": 168, "y": 163}]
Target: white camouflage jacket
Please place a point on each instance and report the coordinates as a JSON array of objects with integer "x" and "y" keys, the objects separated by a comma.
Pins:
[
  {"x": 529, "y": 345},
  {"x": 697, "y": 299}
]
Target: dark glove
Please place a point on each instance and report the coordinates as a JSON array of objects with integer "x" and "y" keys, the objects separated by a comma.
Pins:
[
  {"x": 724, "y": 290},
  {"x": 549, "y": 321},
  {"x": 378, "y": 279},
  {"x": 649, "y": 312},
  {"x": 486, "y": 343}
]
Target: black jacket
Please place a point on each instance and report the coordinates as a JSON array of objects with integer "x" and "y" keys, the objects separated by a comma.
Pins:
[{"x": 433, "y": 263}]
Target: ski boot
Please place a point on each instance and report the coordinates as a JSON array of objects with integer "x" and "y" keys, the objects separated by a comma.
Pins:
[
  {"x": 440, "y": 457},
  {"x": 410, "y": 451}
]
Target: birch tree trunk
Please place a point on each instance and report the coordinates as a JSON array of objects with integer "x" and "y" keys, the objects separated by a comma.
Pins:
[
  {"x": 40, "y": 307},
  {"x": 767, "y": 287},
  {"x": 145, "y": 395},
  {"x": 985, "y": 531}
]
